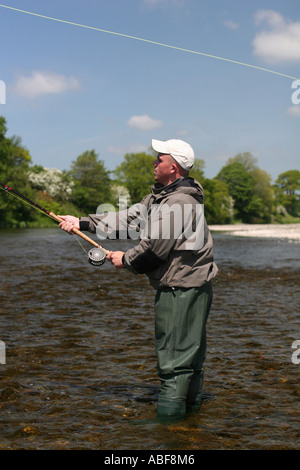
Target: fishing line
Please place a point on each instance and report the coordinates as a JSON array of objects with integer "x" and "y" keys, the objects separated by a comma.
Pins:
[
  {"x": 26, "y": 202},
  {"x": 96, "y": 255},
  {"x": 37, "y": 208},
  {"x": 42, "y": 212},
  {"x": 77, "y": 239},
  {"x": 128, "y": 36}
]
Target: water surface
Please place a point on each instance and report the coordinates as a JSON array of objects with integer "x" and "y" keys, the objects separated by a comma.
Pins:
[{"x": 80, "y": 368}]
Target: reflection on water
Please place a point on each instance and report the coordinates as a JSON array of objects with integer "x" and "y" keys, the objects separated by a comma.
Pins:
[{"x": 80, "y": 368}]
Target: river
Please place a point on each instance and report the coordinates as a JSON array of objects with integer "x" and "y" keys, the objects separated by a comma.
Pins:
[{"x": 80, "y": 367}]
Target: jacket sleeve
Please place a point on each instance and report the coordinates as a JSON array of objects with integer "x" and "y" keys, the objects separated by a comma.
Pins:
[
  {"x": 157, "y": 239},
  {"x": 115, "y": 225},
  {"x": 143, "y": 257},
  {"x": 113, "y": 222}
]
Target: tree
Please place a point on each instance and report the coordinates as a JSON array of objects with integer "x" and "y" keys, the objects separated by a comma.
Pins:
[
  {"x": 253, "y": 194},
  {"x": 246, "y": 159},
  {"x": 55, "y": 182},
  {"x": 217, "y": 202},
  {"x": 92, "y": 183},
  {"x": 14, "y": 163},
  {"x": 263, "y": 193},
  {"x": 197, "y": 172},
  {"x": 136, "y": 174},
  {"x": 216, "y": 195},
  {"x": 240, "y": 184},
  {"x": 287, "y": 188}
]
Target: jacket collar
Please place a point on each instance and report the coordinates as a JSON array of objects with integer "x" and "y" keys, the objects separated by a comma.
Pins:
[{"x": 185, "y": 185}]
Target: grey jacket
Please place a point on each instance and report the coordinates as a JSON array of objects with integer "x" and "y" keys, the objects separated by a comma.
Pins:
[{"x": 175, "y": 246}]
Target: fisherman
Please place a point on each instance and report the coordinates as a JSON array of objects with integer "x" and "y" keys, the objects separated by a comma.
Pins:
[{"x": 178, "y": 261}]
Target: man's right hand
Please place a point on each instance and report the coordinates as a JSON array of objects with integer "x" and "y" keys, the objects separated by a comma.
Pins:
[{"x": 69, "y": 221}]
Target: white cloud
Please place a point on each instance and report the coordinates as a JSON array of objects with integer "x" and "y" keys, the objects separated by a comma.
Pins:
[
  {"x": 231, "y": 24},
  {"x": 273, "y": 18},
  {"x": 137, "y": 148},
  {"x": 182, "y": 132},
  {"x": 280, "y": 41},
  {"x": 133, "y": 148},
  {"x": 294, "y": 111},
  {"x": 115, "y": 149},
  {"x": 144, "y": 122},
  {"x": 44, "y": 83}
]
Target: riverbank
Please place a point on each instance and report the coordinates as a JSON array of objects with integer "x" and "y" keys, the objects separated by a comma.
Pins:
[{"x": 287, "y": 231}]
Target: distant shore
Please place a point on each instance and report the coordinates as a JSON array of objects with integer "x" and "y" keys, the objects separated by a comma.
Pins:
[{"x": 288, "y": 231}]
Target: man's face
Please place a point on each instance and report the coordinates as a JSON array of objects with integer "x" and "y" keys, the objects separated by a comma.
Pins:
[{"x": 164, "y": 167}]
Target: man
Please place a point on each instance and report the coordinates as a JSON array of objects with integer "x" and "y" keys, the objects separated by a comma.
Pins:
[{"x": 177, "y": 256}]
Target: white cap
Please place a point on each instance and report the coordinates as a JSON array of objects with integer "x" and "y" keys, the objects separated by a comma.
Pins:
[{"x": 182, "y": 152}]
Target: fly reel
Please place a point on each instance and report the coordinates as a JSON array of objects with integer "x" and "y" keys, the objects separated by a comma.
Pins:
[{"x": 96, "y": 256}]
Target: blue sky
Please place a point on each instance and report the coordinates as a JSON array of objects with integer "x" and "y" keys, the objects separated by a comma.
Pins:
[{"x": 71, "y": 89}]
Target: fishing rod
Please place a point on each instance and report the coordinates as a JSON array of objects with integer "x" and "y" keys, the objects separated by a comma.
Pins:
[{"x": 96, "y": 255}]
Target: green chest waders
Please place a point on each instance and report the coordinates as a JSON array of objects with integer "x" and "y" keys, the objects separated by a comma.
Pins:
[{"x": 180, "y": 341}]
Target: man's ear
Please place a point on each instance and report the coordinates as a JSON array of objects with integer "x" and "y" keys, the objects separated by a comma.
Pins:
[{"x": 174, "y": 168}]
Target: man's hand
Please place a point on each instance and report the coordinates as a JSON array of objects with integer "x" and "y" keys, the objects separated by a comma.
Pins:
[
  {"x": 69, "y": 221},
  {"x": 115, "y": 257}
]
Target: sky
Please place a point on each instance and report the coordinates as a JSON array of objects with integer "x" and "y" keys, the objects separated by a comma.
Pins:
[{"x": 65, "y": 88}]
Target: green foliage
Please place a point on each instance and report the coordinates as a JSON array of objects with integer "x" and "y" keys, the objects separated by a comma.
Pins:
[
  {"x": 246, "y": 159},
  {"x": 287, "y": 187},
  {"x": 240, "y": 185},
  {"x": 136, "y": 174},
  {"x": 14, "y": 163},
  {"x": 240, "y": 192},
  {"x": 197, "y": 172},
  {"x": 250, "y": 189},
  {"x": 217, "y": 202},
  {"x": 15, "y": 171},
  {"x": 45, "y": 200},
  {"x": 263, "y": 194},
  {"x": 92, "y": 184}
]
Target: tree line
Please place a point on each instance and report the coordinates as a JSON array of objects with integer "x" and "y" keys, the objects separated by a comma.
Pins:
[{"x": 240, "y": 192}]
